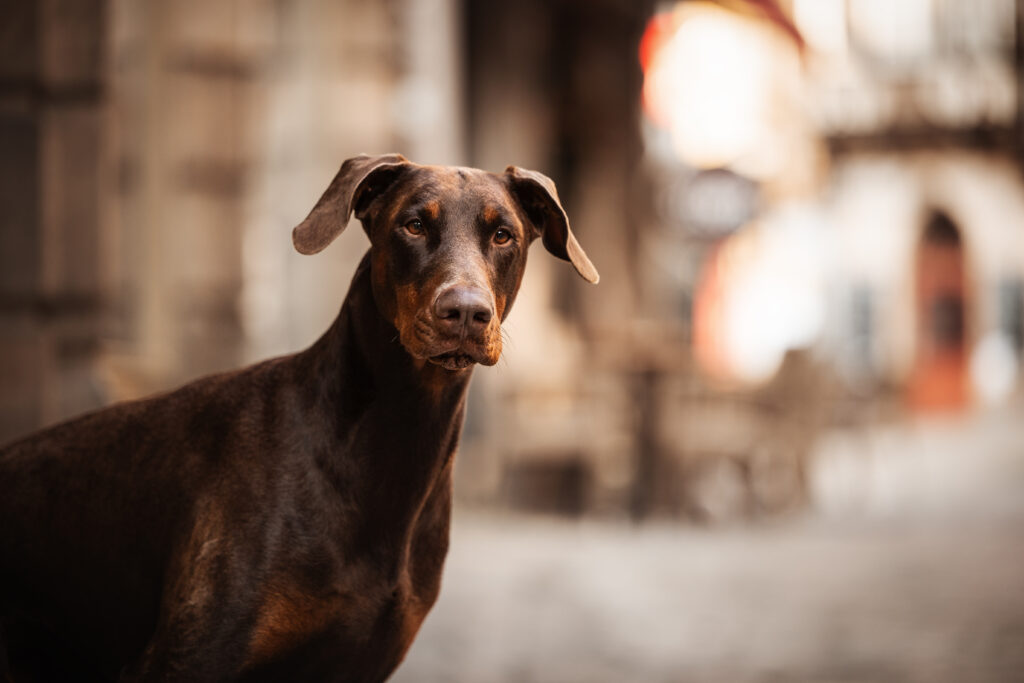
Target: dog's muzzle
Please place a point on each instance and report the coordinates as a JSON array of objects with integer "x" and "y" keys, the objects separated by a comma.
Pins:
[{"x": 456, "y": 330}]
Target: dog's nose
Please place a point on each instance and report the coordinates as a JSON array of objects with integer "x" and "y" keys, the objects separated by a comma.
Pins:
[{"x": 461, "y": 307}]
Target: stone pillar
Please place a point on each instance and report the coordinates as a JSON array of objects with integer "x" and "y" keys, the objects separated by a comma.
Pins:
[
  {"x": 330, "y": 94},
  {"x": 187, "y": 74},
  {"x": 54, "y": 281},
  {"x": 556, "y": 87}
]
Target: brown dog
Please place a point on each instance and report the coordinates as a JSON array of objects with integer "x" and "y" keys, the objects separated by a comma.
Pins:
[{"x": 287, "y": 521}]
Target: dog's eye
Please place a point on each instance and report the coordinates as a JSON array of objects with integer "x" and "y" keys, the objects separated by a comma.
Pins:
[
  {"x": 415, "y": 227},
  {"x": 502, "y": 236}
]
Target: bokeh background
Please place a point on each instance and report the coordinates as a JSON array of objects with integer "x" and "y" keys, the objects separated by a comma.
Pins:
[{"x": 783, "y": 440}]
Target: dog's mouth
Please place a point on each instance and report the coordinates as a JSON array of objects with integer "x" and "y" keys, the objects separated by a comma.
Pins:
[
  {"x": 453, "y": 360},
  {"x": 422, "y": 340}
]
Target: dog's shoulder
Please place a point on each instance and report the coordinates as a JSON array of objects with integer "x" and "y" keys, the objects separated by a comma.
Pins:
[{"x": 175, "y": 415}]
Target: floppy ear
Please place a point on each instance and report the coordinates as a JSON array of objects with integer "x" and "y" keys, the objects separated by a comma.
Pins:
[
  {"x": 360, "y": 179},
  {"x": 536, "y": 193}
]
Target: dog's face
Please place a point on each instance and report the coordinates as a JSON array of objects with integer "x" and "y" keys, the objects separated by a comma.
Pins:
[
  {"x": 449, "y": 247},
  {"x": 449, "y": 250}
]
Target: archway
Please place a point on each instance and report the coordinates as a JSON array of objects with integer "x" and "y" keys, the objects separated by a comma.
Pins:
[{"x": 938, "y": 382}]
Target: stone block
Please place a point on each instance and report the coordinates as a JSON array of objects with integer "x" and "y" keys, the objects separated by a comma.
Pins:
[
  {"x": 245, "y": 29},
  {"x": 205, "y": 240},
  {"x": 71, "y": 176},
  {"x": 202, "y": 116},
  {"x": 19, "y": 40},
  {"x": 72, "y": 42},
  {"x": 19, "y": 205}
]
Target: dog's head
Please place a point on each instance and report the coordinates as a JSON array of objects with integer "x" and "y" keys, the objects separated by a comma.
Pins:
[{"x": 448, "y": 247}]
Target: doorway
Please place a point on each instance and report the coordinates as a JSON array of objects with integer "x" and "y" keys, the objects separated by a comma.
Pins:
[{"x": 939, "y": 379}]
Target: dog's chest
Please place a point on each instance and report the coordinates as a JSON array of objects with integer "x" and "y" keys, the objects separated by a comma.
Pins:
[
  {"x": 340, "y": 637},
  {"x": 359, "y": 626}
]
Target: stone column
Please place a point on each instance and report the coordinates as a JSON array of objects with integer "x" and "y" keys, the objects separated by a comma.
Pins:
[
  {"x": 54, "y": 281},
  {"x": 188, "y": 74}
]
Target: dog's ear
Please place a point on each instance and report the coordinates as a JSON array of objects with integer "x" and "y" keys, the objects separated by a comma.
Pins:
[
  {"x": 536, "y": 193},
  {"x": 360, "y": 179}
]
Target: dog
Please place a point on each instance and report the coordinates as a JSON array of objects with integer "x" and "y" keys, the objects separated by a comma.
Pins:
[{"x": 287, "y": 521}]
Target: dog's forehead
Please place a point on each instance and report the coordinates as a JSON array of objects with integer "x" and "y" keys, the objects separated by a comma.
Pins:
[{"x": 460, "y": 185}]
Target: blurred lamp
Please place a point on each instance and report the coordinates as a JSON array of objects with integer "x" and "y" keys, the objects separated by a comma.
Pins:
[
  {"x": 822, "y": 23},
  {"x": 708, "y": 80}
]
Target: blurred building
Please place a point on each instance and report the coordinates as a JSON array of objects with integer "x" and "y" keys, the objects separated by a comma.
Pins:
[
  {"x": 920, "y": 109},
  {"x": 862, "y": 216},
  {"x": 204, "y": 132},
  {"x": 824, "y": 232},
  {"x": 807, "y": 215}
]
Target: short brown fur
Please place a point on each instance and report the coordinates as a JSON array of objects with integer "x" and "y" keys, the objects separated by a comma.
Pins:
[{"x": 287, "y": 521}]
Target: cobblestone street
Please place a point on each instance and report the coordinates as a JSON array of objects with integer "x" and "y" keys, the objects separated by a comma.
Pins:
[{"x": 919, "y": 577}]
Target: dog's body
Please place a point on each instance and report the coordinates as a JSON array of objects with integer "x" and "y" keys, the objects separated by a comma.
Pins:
[{"x": 287, "y": 521}]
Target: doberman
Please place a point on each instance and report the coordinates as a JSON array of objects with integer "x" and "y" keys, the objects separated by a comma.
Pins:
[{"x": 287, "y": 521}]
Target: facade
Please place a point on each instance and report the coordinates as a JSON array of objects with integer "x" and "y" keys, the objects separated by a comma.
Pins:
[{"x": 846, "y": 250}]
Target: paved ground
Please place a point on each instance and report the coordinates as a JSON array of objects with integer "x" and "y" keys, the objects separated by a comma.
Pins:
[{"x": 916, "y": 573}]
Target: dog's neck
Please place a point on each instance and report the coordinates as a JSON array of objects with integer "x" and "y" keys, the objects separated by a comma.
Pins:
[{"x": 373, "y": 390}]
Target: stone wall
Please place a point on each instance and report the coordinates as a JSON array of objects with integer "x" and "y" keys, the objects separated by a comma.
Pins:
[{"x": 156, "y": 156}]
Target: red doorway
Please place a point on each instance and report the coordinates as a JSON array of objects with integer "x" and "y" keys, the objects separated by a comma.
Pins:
[{"x": 938, "y": 382}]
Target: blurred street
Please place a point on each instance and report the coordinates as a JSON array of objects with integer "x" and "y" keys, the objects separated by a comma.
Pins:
[{"x": 906, "y": 583}]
